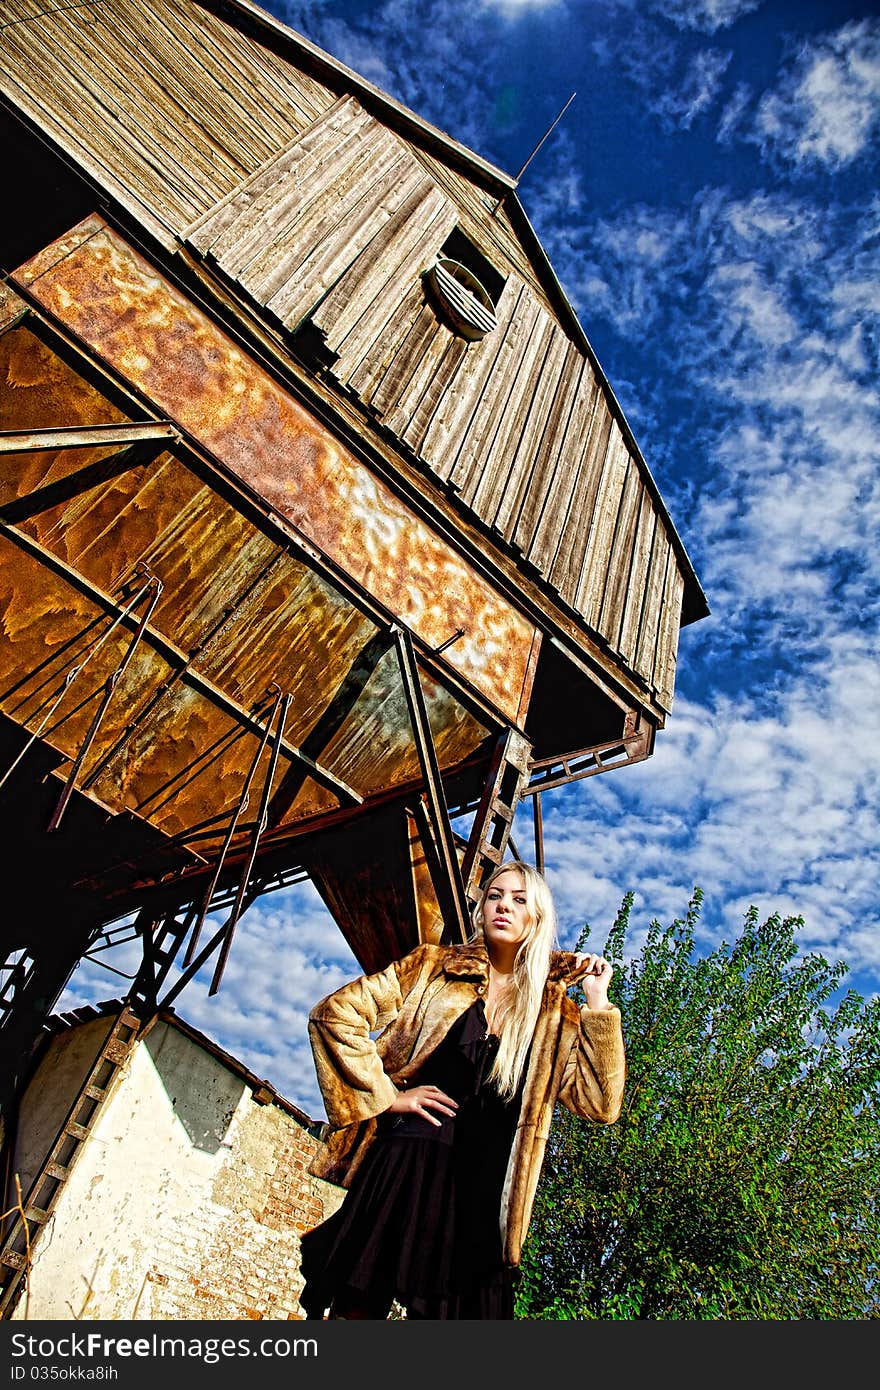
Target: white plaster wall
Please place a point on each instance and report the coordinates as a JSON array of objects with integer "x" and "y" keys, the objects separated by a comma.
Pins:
[
  {"x": 70, "y": 1057},
  {"x": 160, "y": 1216}
]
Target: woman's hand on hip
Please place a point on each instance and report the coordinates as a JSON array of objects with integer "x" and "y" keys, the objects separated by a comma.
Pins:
[{"x": 424, "y": 1101}]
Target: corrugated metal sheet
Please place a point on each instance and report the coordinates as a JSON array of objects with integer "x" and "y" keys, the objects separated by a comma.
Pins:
[
  {"x": 169, "y": 349},
  {"x": 238, "y": 612}
]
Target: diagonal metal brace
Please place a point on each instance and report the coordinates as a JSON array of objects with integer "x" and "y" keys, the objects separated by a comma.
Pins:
[
  {"x": 154, "y": 588},
  {"x": 227, "y": 840},
  {"x": 445, "y": 868},
  {"x": 259, "y": 827}
]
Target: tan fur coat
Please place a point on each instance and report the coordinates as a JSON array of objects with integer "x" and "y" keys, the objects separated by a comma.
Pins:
[{"x": 577, "y": 1058}]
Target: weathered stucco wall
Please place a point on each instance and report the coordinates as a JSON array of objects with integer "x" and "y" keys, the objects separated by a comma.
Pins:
[{"x": 186, "y": 1200}]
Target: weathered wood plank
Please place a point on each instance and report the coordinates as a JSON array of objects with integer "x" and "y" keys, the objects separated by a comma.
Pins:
[
  {"x": 385, "y": 269},
  {"x": 494, "y": 235},
  {"x": 635, "y": 595},
  {"x": 553, "y": 508},
  {"x": 292, "y": 203},
  {"x": 610, "y": 610},
  {"x": 598, "y": 543},
  {"x": 43, "y": 97},
  {"x": 208, "y": 230},
  {"x": 374, "y": 363},
  {"x": 265, "y": 91},
  {"x": 272, "y": 268},
  {"x": 270, "y": 199},
  {"x": 460, "y": 401},
  {"x": 425, "y": 376},
  {"x": 538, "y": 494},
  {"x": 443, "y": 369},
  {"x": 330, "y": 258},
  {"x": 667, "y": 640},
  {"x": 405, "y": 362},
  {"x": 198, "y": 92},
  {"x": 646, "y": 647},
  {"x": 135, "y": 102},
  {"x": 492, "y": 402},
  {"x": 590, "y": 448},
  {"x": 486, "y": 486},
  {"x": 526, "y": 470}
]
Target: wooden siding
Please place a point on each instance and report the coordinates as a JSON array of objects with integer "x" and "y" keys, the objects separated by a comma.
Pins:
[
  {"x": 314, "y": 210},
  {"x": 160, "y": 98}
]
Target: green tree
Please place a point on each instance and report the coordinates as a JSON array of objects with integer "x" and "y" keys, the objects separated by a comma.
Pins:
[{"x": 741, "y": 1180}]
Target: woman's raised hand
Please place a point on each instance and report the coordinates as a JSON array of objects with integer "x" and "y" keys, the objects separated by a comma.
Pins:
[
  {"x": 423, "y": 1100},
  {"x": 596, "y": 980}
]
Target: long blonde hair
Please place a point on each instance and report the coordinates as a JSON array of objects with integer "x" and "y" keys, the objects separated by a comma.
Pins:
[{"x": 517, "y": 1014}]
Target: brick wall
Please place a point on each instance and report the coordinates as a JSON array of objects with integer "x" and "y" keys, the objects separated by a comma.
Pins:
[{"x": 188, "y": 1198}]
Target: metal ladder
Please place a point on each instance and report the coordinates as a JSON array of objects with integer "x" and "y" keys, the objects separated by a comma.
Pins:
[
  {"x": 502, "y": 792},
  {"x": 28, "y": 1221}
]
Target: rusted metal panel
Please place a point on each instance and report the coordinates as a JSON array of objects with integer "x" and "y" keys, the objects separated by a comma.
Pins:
[
  {"x": 429, "y": 918},
  {"x": 12, "y": 306},
  {"x": 166, "y": 749},
  {"x": 376, "y": 737},
  {"x": 164, "y": 345},
  {"x": 237, "y": 613}
]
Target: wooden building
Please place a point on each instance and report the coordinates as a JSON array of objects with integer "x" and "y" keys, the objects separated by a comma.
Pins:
[{"x": 321, "y": 529}]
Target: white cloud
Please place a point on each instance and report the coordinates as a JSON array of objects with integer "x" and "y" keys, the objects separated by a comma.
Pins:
[
  {"x": 827, "y": 107},
  {"x": 513, "y": 9},
  {"x": 683, "y": 101},
  {"x": 758, "y": 304},
  {"x": 775, "y": 810},
  {"x": 705, "y": 15}
]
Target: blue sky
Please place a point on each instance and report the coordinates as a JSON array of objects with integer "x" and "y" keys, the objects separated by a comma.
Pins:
[{"x": 710, "y": 204}]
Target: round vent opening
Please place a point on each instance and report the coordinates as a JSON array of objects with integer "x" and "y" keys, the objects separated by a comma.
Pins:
[{"x": 460, "y": 298}]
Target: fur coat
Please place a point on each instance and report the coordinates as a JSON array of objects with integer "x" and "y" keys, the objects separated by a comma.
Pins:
[{"x": 577, "y": 1058}]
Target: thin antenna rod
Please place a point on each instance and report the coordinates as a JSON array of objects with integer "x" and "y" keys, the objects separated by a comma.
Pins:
[{"x": 549, "y": 131}]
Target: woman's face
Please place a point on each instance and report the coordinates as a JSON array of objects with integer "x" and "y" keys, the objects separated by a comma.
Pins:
[{"x": 506, "y": 917}]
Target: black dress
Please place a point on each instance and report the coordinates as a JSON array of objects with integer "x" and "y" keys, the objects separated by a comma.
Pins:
[{"x": 420, "y": 1222}]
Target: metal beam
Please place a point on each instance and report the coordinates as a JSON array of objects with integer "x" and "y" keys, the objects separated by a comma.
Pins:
[
  {"x": 446, "y": 871},
  {"x": 490, "y": 834},
  {"x": 177, "y": 658},
  {"x": 633, "y": 747},
  {"x": 84, "y": 436}
]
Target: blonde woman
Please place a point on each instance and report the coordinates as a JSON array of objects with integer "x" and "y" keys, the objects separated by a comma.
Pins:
[{"x": 439, "y": 1122}]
